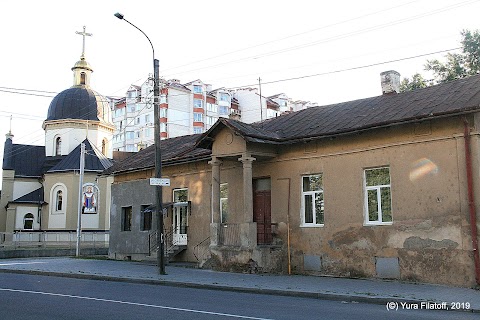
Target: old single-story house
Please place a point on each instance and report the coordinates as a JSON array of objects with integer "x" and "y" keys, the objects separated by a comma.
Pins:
[{"x": 377, "y": 187}]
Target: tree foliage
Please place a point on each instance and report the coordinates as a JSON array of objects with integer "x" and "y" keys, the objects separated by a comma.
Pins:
[{"x": 456, "y": 66}]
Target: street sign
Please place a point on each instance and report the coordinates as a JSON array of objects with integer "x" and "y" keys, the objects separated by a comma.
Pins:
[{"x": 164, "y": 182}]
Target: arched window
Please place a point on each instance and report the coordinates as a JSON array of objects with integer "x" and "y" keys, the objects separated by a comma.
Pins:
[
  {"x": 28, "y": 221},
  {"x": 58, "y": 146},
  {"x": 59, "y": 200},
  {"x": 82, "y": 78}
]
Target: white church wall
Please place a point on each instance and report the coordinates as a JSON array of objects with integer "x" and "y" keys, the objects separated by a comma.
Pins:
[
  {"x": 72, "y": 137},
  {"x": 57, "y": 219},
  {"x": 90, "y": 221},
  {"x": 21, "y": 188}
]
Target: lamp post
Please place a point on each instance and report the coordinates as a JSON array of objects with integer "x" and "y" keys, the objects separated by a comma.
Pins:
[{"x": 158, "y": 153}]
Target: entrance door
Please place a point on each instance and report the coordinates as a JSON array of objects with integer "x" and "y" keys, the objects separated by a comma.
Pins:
[
  {"x": 180, "y": 216},
  {"x": 262, "y": 210}
]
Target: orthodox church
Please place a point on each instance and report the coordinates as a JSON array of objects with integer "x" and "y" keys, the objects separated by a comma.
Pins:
[{"x": 42, "y": 188}]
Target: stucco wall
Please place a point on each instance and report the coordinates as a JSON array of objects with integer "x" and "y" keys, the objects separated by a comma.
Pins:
[
  {"x": 138, "y": 192},
  {"x": 428, "y": 240}
]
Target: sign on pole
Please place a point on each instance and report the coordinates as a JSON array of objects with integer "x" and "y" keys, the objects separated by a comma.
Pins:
[{"x": 164, "y": 182}]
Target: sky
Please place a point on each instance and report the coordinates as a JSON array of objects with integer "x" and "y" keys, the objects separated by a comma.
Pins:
[{"x": 332, "y": 51}]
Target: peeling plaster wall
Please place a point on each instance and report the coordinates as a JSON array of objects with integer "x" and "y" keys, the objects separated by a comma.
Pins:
[{"x": 430, "y": 233}]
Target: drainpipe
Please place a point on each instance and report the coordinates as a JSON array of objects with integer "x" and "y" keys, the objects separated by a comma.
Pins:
[{"x": 471, "y": 199}]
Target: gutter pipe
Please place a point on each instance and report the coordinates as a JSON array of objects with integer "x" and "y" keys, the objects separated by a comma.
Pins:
[{"x": 471, "y": 199}]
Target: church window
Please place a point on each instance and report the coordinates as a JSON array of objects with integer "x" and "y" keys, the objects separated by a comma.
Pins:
[
  {"x": 104, "y": 147},
  {"x": 82, "y": 78},
  {"x": 28, "y": 221},
  {"x": 58, "y": 146},
  {"x": 59, "y": 200}
]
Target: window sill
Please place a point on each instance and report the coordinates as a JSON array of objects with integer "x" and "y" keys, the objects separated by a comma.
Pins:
[
  {"x": 369, "y": 224},
  {"x": 312, "y": 225}
]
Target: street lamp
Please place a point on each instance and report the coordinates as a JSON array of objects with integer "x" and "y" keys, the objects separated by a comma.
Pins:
[{"x": 158, "y": 153}]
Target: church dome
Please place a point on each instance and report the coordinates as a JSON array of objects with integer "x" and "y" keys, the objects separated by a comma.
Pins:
[
  {"x": 79, "y": 102},
  {"x": 82, "y": 64}
]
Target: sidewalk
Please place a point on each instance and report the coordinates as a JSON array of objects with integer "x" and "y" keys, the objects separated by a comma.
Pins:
[{"x": 370, "y": 291}]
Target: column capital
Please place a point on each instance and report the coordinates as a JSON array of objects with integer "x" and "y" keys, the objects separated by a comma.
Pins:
[
  {"x": 215, "y": 161},
  {"x": 245, "y": 159}
]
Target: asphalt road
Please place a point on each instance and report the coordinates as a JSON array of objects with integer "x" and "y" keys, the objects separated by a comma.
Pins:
[{"x": 44, "y": 297}]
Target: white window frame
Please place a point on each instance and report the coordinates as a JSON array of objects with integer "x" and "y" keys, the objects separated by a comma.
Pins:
[
  {"x": 312, "y": 193},
  {"x": 53, "y": 198},
  {"x": 378, "y": 189}
]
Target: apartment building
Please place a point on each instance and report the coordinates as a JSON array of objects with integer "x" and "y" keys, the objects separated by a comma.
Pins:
[{"x": 189, "y": 108}]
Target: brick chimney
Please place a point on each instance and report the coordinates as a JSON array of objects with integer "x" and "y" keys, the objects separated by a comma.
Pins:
[{"x": 390, "y": 81}]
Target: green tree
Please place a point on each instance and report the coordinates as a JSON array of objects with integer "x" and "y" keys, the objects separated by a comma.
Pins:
[
  {"x": 417, "y": 82},
  {"x": 456, "y": 66}
]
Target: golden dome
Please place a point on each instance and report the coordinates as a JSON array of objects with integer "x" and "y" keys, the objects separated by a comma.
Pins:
[{"x": 82, "y": 64}]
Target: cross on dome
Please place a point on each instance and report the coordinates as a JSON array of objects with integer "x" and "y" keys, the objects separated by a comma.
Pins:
[{"x": 84, "y": 34}]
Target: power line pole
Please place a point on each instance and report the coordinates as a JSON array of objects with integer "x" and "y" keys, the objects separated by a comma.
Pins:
[
  {"x": 158, "y": 168},
  {"x": 80, "y": 197},
  {"x": 260, "y": 89}
]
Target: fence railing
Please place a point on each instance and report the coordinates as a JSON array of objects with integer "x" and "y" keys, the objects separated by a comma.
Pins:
[{"x": 64, "y": 239}]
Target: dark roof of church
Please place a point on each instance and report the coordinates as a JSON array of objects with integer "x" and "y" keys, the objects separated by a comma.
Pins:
[
  {"x": 174, "y": 150},
  {"x": 26, "y": 160},
  {"x": 78, "y": 102},
  {"x": 30, "y": 161},
  {"x": 94, "y": 160},
  {"x": 35, "y": 196},
  {"x": 442, "y": 100}
]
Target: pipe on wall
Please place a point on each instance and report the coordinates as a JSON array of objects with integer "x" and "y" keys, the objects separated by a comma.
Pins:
[{"x": 471, "y": 199}]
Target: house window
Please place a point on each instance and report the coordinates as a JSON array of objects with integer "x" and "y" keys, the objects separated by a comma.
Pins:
[
  {"x": 180, "y": 195},
  {"x": 121, "y": 125},
  {"x": 198, "y": 117},
  {"x": 147, "y": 118},
  {"x": 197, "y": 103},
  {"x": 146, "y": 218},
  {"x": 137, "y": 120},
  {"x": 224, "y": 202},
  {"x": 197, "y": 89},
  {"x": 197, "y": 130},
  {"x": 313, "y": 211},
  {"x": 163, "y": 127},
  {"x": 58, "y": 146},
  {"x": 59, "y": 200},
  {"x": 126, "y": 218},
  {"x": 129, "y": 135},
  {"x": 28, "y": 221},
  {"x": 378, "y": 197}
]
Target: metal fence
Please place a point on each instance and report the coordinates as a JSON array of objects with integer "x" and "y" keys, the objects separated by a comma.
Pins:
[{"x": 55, "y": 239}]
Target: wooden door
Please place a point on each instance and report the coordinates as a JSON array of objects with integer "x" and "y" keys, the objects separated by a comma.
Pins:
[{"x": 262, "y": 216}]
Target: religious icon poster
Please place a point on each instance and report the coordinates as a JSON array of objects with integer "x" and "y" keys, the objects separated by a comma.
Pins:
[{"x": 90, "y": 198}]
